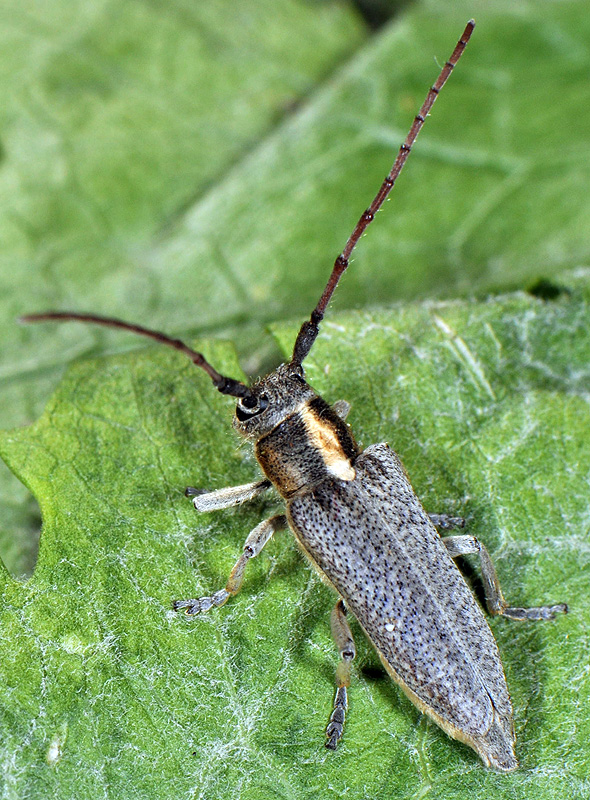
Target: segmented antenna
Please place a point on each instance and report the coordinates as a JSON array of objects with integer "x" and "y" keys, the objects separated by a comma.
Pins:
[
  {"x": 310, "y": 329},
  {"x": 221, "y": 382}
]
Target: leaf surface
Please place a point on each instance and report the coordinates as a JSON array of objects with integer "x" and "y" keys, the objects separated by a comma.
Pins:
[
  {"x": 117, "y": 119},
  {"x": 105, "y": 691},
  {"x": 197, "y": 168}
]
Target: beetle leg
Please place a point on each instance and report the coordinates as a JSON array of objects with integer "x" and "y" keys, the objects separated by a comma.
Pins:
[
  {"x": 256, "y": 540},
  {"x": 225, "y": 498},
  {"x": 342, "y": 408},
  {"x": 343, "y": 637},
  {"x": 444, "y": 522},
  {"x": 465, "y": 545}
]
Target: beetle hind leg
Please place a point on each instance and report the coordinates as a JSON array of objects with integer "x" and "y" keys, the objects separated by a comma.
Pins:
[
  {"x": 496, "y": 604},
  {"x": 343, "y": 637}
]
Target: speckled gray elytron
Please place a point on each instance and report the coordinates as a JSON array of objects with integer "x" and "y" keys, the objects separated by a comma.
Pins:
[{"x": 374, "y": 541}]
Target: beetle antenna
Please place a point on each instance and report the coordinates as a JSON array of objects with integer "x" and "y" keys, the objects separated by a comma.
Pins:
[
  {"x": 221, "y": 382},
  {"x": 310, "y": 329}
]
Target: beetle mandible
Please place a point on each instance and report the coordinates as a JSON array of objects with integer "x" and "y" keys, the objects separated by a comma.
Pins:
[{"x": 357, "y": 519}]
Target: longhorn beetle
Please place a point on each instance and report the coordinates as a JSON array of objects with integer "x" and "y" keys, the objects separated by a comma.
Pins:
[{"x": 356, "y": 517}]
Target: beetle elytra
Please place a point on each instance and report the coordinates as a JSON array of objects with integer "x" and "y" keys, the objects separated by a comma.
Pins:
[{"x": 356, "y": 517}]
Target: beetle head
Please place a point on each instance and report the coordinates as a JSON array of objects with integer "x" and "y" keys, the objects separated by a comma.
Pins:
[{"x": 271, "y": 400}]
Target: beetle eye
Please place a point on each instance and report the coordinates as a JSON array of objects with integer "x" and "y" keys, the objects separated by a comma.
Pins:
[{"x": 250, "y": 406}]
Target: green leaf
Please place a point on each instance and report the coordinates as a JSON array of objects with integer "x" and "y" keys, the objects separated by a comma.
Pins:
[
  {"x": 117, "y": 120},
  {"x": 105, "y": 690},
  {"x": 197, "y": 166}
]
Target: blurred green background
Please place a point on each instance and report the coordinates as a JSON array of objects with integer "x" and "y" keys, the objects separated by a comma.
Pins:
[{"x": 197, "y": 166}]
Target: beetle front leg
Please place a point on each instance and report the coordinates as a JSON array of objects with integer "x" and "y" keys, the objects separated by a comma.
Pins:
[
  {"x": 343, "y": 637},
  {"x": 466, "y": 545},
  {"x": 342, "y": 408},
  {"x": 256, "y": 540},
  {"x": 226, "y": 498}
]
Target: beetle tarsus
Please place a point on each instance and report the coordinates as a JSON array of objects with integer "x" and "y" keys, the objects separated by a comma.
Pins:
[
  {"x": 536, "y": 613},
  {"x": 201, "y": 604},
  {"x": 191, "y": 491},
  {"x": 337, "y": 718}
]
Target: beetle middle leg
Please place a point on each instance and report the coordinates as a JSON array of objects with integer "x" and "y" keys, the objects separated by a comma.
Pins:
[
  {"x": 444, "y": 522},
  {"x": 256, "y": 540},
  {"x": 343, "y": 637},
  {"x": 496, "y": 604}
]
